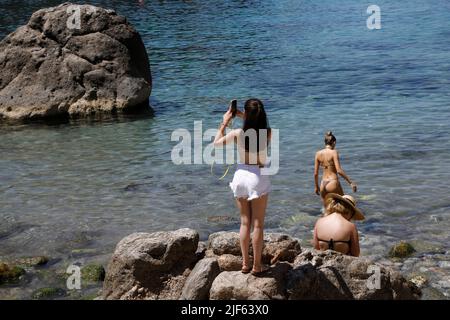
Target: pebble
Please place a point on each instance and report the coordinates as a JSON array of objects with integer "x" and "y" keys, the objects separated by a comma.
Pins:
[
  {"x": 419, "y": 281},
  {"x": 427, "y": 263},
  {"x": 423, "y": 269},
  {"x": 386, "y": 262},
  {"x": 134, "y": 289},
  {"x": 444, "y": 284},
  {"x": 435, "y": 218}
]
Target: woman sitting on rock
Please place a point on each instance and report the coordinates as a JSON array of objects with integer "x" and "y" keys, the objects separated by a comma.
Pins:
[
  {"x": 250, "y": 186},
  {"x": 334, "y": 231}
]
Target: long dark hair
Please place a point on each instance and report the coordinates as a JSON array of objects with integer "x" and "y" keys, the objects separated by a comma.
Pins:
[{"x": 255, "y": 118}]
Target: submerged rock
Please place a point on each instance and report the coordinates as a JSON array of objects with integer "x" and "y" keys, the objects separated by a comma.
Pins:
[
  {"x": 401, "y": 250},
  {"x": 222, "y": 219},
  {"x": 92, "y": 273},
  {"x": 84, "y": 252},
  {"x": 151, "y": 265},
  {"x": 32, "y": 261},
  {"x": 10, "y": 273},
  {"x": 54, "y": 68},
  {"x": 47, "y": 293}
]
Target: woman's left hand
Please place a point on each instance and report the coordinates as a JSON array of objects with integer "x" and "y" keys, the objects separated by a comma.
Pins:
[
  {"x": 227, "y": 116},
  {"x": 316, "y": 190}
]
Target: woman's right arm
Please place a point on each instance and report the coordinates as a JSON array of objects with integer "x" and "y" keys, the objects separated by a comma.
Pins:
[
  {"x": 354, "y": 246},
  {"x": 220, "y": 138}
]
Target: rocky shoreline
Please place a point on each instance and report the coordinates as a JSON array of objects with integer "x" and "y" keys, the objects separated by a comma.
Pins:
[{"x": 174, "y": 265}]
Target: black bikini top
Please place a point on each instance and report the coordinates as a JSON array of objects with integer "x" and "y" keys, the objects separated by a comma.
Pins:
[{"x": 331, "y": 243}]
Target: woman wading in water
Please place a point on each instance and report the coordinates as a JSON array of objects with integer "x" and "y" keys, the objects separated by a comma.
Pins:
[
  {"x": 250, "y": 187},
  {"x": 328, "y": 159}
]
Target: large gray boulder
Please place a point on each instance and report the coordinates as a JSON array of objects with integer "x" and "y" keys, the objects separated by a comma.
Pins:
[
  {"x": 151, "y": 265},
  {"x": 224, "y": 242},
  {"x": 53, "y": 67},
  {"x": 332, "y": 275},
  {"x": 200, "y": 280}
]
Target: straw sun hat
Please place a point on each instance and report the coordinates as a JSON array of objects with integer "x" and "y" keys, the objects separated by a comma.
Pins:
[{"x": 358, "y": 215}]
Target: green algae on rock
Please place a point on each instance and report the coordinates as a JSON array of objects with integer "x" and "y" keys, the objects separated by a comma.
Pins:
[
  {"x": 401, "y": 250},
  {"x": 32, "y": 261},
  {"x": 47, "y": 293},
  {"x": 10, "y": 273},
  {"x": 92, "y": 273}
]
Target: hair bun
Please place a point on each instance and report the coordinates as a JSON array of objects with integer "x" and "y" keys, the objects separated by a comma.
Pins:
[{"x": 329, "y": 133}]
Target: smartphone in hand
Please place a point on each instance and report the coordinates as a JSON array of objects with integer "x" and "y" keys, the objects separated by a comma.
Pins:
[{"x": 233, "y": 107}]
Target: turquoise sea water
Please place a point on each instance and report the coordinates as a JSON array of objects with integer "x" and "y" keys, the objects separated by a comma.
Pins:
[{"x": 317, "y": 67}]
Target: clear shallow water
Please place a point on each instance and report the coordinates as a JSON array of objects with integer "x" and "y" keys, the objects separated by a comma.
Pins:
[{"x": 384, "y": 93}]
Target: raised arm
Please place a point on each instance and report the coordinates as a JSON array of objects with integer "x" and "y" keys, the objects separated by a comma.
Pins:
[
  {"x": 222, "y": 139},
  {"x": 341, "y": 171},
  {"x": 316, "y": 175}
]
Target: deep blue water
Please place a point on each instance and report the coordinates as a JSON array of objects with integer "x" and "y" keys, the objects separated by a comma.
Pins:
[{"x": 317, "y": 67}]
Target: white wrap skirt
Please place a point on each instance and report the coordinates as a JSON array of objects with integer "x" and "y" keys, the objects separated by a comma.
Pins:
[{"x": 248, "y": 183}]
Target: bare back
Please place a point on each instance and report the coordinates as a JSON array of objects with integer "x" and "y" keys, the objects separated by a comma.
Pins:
[
  {"x": 252, "y": 157},
  {"x": 326, "y": 158},
  {"x": 338, "y": 229}
]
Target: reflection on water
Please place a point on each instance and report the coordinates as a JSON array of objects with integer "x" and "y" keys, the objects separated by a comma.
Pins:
[{"x": 315, "y": 65}]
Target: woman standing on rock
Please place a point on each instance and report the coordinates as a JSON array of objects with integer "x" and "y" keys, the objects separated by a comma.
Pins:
[
  {"x": 328, "y": 159},
  {"x": 250, "y": 186}
]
